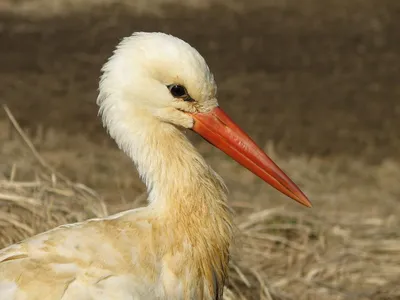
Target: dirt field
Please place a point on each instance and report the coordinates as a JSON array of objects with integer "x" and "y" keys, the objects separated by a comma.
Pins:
[{"x": 316, "y": 82}]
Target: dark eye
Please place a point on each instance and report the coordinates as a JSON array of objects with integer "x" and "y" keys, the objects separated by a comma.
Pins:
[{"x": 178, "y": 91}]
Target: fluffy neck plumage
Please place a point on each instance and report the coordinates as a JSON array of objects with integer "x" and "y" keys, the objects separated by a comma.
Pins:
[
  {"x": 170, "y": 166},
  {"x": 188, "y": 194}
]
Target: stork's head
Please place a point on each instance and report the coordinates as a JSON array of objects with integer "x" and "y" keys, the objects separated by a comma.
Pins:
[{"x": 156, "y": 78}]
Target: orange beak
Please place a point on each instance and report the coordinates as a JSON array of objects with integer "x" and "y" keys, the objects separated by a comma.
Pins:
[{"x": 218, "y": 129}]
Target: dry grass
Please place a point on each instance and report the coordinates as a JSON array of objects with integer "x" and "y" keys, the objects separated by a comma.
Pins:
[
  {"x": 279, "y": 254},
  {"x": 43, "y": 202}
]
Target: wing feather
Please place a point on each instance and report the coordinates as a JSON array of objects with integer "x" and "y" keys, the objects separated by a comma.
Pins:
[{"x": 85, "y": 261}]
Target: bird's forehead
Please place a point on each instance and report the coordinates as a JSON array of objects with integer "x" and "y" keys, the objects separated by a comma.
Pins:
[
  {"x": 196, "y": 78},
  {"x": 172, "y": 60}
]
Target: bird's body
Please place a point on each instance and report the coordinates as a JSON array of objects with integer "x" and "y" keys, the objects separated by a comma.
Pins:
[
  {"x": 178, "y": 246},
  {"x": 128, "y": 256}
]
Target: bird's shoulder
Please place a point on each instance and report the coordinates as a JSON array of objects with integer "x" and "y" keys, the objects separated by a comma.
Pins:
[
  {"x": 69, "y": 239},
  {"x": 65, "y": 257}
]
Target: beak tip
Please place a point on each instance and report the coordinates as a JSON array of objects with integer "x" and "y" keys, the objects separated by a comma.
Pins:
[{"x": 304, "y": 200}]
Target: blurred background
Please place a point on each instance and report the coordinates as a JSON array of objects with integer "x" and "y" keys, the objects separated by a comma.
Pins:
[{"x": 314, "y": 82}]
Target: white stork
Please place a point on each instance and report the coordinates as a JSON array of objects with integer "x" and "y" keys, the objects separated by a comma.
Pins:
[{"x": 152, "y": 88}]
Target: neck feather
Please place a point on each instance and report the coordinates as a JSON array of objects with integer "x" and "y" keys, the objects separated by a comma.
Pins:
[
  {"x": 172, "y": 169},
  {"x": 176, "y": 175},
  {"x": 189, "y": 195}
]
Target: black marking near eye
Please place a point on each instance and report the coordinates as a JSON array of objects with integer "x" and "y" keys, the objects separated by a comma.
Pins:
[{"x": 179, "y": 91}]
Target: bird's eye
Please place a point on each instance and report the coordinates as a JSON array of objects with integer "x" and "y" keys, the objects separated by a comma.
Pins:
[{"x": 179, "y": 91}]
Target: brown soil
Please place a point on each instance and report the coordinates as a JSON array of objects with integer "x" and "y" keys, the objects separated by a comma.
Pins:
[{"x": 319, "y": 78}]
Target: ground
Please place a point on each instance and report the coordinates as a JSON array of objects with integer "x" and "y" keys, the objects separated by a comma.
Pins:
[{"x": 315, "y": 82}]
